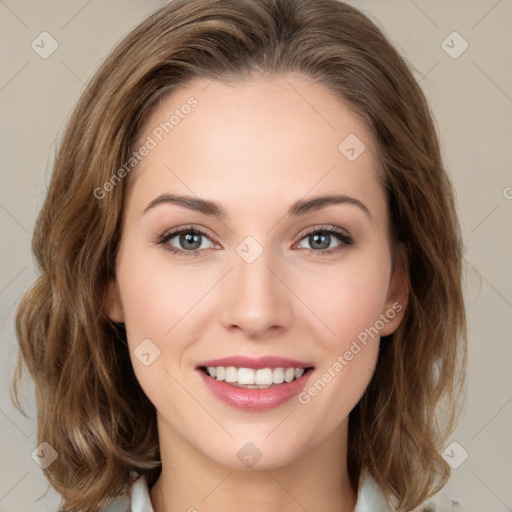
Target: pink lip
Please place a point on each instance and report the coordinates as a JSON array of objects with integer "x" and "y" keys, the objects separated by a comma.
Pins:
[
  {"x": 255, "y": 399},
  {"x": 256, "y": 363}
]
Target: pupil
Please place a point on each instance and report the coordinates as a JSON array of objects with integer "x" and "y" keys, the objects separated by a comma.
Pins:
[
  {"x": 316, "y": 240},
  {"x": 189, "y": 239}
]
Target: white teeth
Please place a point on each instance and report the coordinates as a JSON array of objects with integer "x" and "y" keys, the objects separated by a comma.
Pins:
[
  {"x": 263, "y": 376},
  {"x": 231, "y": 374},
  {"x": 219, "y": 372},
  {"x": 247, "y": 377},
  {"x": 289, "y": 374},
  {"x": 278, "y": 376}
]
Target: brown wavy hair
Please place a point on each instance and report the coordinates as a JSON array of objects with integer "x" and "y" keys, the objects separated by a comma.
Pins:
[{"x": 90, "y": 407}]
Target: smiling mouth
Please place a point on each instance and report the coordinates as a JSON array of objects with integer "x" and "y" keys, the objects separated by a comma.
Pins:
[{"x": 249, "y": 378}]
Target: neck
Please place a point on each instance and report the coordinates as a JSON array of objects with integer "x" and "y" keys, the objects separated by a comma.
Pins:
[{"x": 191, "y": 481}]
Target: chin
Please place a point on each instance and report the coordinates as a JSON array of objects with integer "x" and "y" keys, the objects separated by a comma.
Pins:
[{"x": 257, "y": 453}]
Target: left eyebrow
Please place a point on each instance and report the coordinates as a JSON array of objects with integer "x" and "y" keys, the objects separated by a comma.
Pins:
[
  {"x": 298, "y": 208},
  {"x": 317, "y": 203}
]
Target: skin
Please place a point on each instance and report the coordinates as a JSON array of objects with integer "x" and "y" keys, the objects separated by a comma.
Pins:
[{"x": 255, "y": 147}]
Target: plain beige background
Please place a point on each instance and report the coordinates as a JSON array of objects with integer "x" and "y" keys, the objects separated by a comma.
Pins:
[{"x": 471, "y": 97}]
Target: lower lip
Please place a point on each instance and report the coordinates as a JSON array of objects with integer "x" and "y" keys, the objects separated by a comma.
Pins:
[{"x": 254, "y": 399}]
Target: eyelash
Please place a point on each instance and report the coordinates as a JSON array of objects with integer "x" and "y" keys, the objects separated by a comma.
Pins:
[{"x": 344, "y": 239}]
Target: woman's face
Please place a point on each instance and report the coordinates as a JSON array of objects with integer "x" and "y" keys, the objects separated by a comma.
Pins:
[{"x": 264, "y": 279}]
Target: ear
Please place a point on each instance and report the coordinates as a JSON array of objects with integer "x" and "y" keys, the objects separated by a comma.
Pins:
[
  {"x": 112, "y": 302},
  {"x": 398, "y": 293}
]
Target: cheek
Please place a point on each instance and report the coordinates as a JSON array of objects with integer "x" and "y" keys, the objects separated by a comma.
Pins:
[
  {"x": 347, "y": 299},
  {"x": 350, "y": 304},
  {"x": 155, "y": 295},
  {"x": 156, "y": 300}
]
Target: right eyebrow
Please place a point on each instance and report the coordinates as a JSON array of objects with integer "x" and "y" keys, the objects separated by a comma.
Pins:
[{"x": 192, "y": 203}]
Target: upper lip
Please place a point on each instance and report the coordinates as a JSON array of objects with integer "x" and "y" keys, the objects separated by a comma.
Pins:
[{"x": 256, "y": 363}]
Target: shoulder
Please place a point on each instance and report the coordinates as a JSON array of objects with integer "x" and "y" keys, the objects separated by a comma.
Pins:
[
  {"x": 120, "y": 504},
  {"x": 134, "y": 499},
  {"x": 440, "y": 502},
  {"x": 371, "y": 499}
]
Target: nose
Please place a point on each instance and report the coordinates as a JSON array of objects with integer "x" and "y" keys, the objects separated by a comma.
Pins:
[{"x": 258, "y": 303}]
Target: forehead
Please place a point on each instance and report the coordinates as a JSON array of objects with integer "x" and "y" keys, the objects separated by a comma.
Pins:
[{"x": 280, "y": 135}]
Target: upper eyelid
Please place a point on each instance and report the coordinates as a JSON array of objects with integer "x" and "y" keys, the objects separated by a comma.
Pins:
[{"x": 331, "y": 229}]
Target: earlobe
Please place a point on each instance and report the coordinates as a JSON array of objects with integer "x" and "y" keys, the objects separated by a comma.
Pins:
[
  {"x": 112, "y": 303},
  {"x": 398, "y": 294}
]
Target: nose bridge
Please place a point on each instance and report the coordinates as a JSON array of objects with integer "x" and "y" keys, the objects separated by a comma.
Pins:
[{"x": 258, "y": 301}]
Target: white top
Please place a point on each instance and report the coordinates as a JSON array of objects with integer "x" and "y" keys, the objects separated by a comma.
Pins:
[{"x": 370, "y": 499}]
